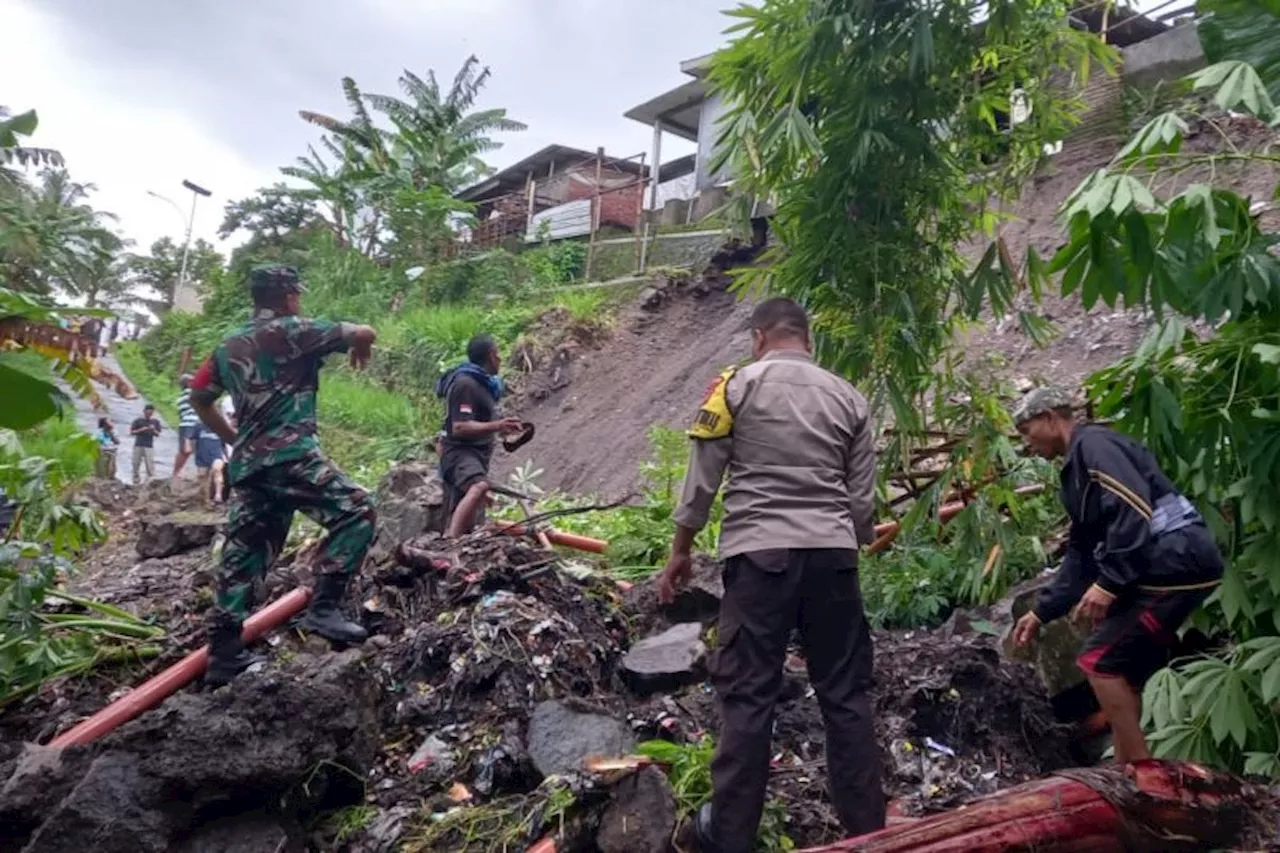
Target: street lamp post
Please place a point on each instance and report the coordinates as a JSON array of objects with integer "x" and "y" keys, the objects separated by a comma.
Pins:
[
  {"x": 196, "y": 192},
  {"x": 188, "y": 221}
]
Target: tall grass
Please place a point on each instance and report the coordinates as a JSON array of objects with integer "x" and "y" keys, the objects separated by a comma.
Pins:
[{"x": 586, "y": 304}]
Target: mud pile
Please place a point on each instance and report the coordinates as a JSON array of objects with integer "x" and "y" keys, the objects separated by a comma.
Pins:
[{"x": 464, "y": 723}]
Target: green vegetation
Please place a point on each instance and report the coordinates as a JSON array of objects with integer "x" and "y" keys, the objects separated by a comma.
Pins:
[
  {"x": 1205, "y": 405},
  {"x": 44, "y": 632},
  {"x": 688, "y": 768},
  {"x": 638, "y": 533},
  {"x": 875, "y": 126}
]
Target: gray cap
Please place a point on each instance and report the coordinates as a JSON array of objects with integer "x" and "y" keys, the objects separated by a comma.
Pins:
[{"x": 1037, "y": 401}]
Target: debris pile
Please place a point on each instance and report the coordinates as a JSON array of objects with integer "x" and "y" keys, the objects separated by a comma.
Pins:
[{"x": 495, "y": 705}]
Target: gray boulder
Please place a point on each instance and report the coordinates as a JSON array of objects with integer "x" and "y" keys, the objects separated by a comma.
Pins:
[
  {"x": 641, "y": 816},
  {"x": 563, "y": 735},
  {"x": 1054, "y": 653},
  {"x": 176, "y": 533},
  {"x": 667, "y": 661},
  {"x": 281, "y": 740},
  {"x": 410, "y": 503}
]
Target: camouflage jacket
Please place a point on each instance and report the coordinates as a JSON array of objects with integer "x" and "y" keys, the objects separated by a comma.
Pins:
[{"x": 271, "y": 369}]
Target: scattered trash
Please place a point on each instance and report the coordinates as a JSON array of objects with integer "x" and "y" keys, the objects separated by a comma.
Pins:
[
  {"x": 938, "y": 747},
  {"x": 432, "y": 750}
]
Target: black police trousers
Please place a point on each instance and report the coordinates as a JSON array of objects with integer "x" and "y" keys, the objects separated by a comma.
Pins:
[{"x": 767, "y": 595}]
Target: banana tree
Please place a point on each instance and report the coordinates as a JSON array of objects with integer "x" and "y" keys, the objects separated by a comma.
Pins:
[{"x": 12, "y": 128}]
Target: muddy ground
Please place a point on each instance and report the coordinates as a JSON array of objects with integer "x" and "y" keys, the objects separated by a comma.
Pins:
[
  {"x": 441, "y": 727},
  {"x": 594, "y": 396}
]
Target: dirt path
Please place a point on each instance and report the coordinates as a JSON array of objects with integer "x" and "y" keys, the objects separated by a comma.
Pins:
[
  {"x": 653, "y": 369},
  {"x": 124, "y": 412}
]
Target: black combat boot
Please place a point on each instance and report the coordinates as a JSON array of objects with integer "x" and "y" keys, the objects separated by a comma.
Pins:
[
  {"x": 227, "y": 655},
  {"x": 694, "y": 835},
  {"x": 324, "y": 616}
]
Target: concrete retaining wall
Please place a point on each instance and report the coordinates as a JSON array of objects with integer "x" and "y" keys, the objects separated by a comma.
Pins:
[
  {"x": 616, "y": 258},
  {"x": 1166, "y": 57}
]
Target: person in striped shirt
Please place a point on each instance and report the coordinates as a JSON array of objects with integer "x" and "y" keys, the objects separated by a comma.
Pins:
[{"x": 188, "y": 426}]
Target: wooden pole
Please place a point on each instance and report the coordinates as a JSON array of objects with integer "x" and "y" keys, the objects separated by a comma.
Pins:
[
  {"x": 594, "y": 224},
  {"x": 639, "y": 219},
  {"x": 656, "y": 169},
  {"x": 530, "y": 185}
]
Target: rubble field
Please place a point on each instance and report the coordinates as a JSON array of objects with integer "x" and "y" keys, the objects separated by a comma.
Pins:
[{"x": 469, "y": 720}]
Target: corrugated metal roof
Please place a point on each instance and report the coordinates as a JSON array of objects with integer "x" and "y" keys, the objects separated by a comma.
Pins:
[{"x": 571, "y": 219}]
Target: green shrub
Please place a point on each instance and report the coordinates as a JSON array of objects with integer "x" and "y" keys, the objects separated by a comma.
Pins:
[{"x": 555, "y": 263}]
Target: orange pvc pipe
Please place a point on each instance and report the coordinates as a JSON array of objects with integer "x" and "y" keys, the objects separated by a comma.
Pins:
[
  {"x": 151, "y": 693},
  {"x": 887, "y": 531},
  {"x": 559, "y": 537}
]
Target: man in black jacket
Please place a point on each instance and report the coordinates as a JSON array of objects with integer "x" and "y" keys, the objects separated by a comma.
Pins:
[
  {"x": 1139, "y": 559},
  {"x": 471, "y": 392}
]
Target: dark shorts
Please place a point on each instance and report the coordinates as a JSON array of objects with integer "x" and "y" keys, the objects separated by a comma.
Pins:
[
  {"x": 188, "y": 433},
  {"x": 207, "y": 453},
  {"x": 460, "y": 469},
  {"x": 1138, "y": 636},
  {"x": 463, "y": 467}
]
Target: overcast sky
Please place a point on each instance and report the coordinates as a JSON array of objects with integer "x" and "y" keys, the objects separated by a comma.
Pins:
[{"x": 140, "y": 94}]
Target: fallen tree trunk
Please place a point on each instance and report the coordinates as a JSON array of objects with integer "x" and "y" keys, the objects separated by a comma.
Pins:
[{"x": 1151, "y": 805}]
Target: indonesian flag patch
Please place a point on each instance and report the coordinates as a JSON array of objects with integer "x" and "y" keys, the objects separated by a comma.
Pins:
[{"x": 464, "y": 409}]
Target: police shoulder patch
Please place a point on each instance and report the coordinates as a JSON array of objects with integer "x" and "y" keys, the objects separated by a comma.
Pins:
[{"x": 714, "y": 420}]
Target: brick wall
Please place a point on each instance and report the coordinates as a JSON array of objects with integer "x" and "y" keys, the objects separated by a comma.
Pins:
[{"x": 618, "y": 207}]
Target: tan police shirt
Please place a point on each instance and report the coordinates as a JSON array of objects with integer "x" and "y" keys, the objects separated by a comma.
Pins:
[{"x": 799, "y": 459}]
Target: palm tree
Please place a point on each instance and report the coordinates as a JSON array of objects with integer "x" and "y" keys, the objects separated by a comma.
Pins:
[
  {"x": 24, "y": 124},
  {"x": 335, "y": 187},
  {"x": 49, "y": 234},
  {"x": 361, "y": 139},
  {"x": 439, "y": 141}
]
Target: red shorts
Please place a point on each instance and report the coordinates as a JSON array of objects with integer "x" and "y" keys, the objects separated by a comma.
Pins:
[{"x": 1137, "y": 637}]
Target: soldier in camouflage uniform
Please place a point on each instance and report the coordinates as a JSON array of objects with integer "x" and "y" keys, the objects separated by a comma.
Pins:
[{"x": 271, "y": 370}]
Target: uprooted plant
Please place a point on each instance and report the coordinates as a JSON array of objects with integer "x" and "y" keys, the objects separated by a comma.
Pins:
[{"x": 45, "y": 632}]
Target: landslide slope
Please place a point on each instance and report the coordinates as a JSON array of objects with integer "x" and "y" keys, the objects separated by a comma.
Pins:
[{"x": 595, "y": 396}]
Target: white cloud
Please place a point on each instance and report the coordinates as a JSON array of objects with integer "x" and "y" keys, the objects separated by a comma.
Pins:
[{"x": 113, "y": 137}]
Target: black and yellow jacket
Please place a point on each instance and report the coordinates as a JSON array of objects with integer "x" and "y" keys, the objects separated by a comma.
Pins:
[{"x": 1130, "y": 528}]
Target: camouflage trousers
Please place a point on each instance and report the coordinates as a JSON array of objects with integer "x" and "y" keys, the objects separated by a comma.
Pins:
[{"x": 261, "y": 510}]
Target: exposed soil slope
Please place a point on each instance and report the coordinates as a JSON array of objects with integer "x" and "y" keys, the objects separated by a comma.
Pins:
[
  {"x": 595, "y": 398},
  {"x": 593, "y": 407}
]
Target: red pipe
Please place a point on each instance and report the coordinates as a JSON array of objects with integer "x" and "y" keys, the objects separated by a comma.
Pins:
[
  {"x": 151, "y": 693},
  {"x": 558, "y": 537},
  {"x": 887, "y": 531}
]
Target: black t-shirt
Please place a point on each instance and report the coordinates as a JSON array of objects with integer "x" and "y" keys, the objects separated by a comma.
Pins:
[
  {"x": 144, "y": 439},
  {"x": 469, "y": 400}
]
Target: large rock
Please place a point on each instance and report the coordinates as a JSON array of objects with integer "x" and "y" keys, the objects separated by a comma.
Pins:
[
  {"x": 253, "y": 832},
  {"x": 641, "y": 817},
  {"x": 1054, "y": 653},
  {"x": 562, "y": 735},
  {"x": 667, "y": 661},
  {"x": 410, "y": 503},
  {"x": 280, "y": 740},
  {"x": 176, "y": 533}
]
